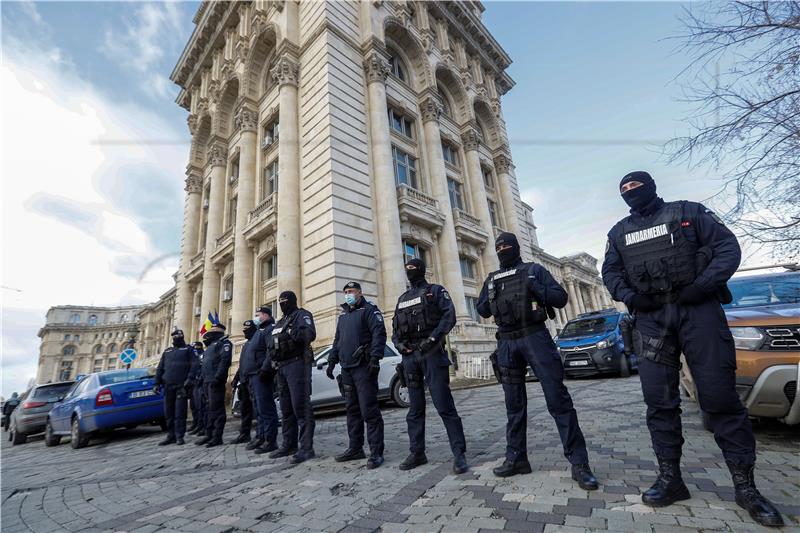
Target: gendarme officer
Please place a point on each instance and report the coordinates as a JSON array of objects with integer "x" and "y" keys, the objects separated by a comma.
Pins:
[
  {"x": 216, "y": 363},
  {"x": 358, "y": 346},
  {"x": 518, "y": 296},
  {"x": 669, "y": 262},
  {"x": 290, "y": 352},
  {"x": 175, "y": 372},
  {"x": 262, "y": 382},
  {"x": 423, "y": 317},
  {"x": 197, "y": 401}
]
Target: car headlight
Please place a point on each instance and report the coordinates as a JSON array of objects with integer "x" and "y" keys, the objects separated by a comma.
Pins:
[
  {"x": 747, "y": 338},
  {"x": 605, "y": 343}
]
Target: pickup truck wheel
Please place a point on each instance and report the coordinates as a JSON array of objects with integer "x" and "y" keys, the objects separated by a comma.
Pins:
[
  {"x": 17, "y": 437},
  {"x": 399, "y": 394},
  {"x": 78, "y": 439},
  {"x": 624, "y": 366},
  {"x": 49, "y": 438}
]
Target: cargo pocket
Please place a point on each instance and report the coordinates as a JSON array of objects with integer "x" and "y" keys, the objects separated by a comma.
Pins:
[{"x": 727, "y": 353}]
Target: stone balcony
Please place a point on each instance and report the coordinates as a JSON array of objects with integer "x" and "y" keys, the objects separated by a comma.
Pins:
[
  {"x": 195, "y": 267},
  {"x": 417, "y": 207},
  {"x": 223, "y": 250},
  {"x": 263, "y": 219},
  {"x": 469, "y": 228}
]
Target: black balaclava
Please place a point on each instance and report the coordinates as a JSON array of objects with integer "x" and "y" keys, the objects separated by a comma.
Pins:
[
  {"x": 198, "y": 347},
  {"x": 643, "y": 199},
  {"x": 416, "y": 274},
  {"x": 288, "y": 302},
  {"x": 177, "y": 339},
  {"x": 249, "y": 328},
  {"x": 214, "y": 334},
  {"x": 508, "y": 256}
]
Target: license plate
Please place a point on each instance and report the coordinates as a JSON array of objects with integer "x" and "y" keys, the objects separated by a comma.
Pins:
[
  {"x": 142, "y": 393},
  {"x": 579, "y": 363}
]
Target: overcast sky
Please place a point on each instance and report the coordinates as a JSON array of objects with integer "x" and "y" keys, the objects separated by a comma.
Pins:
[{"x": 87, "y": 206}]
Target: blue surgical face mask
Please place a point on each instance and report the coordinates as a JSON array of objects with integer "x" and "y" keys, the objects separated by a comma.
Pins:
[
  {"x": 256, "y": 321},
  {"x": 350, "y": 299}
]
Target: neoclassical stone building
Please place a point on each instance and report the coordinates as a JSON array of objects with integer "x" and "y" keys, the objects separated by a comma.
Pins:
[{"x": 333, "y": 140}]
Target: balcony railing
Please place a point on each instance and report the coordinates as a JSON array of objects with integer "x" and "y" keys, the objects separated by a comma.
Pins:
[
  {"x": 406, "y": 191},
  {"x": 265, "y": 205},
  {"x": 198, "y": 258},
  {"x": 225, "y": 236},
  {"x": 461, "y": 215}
]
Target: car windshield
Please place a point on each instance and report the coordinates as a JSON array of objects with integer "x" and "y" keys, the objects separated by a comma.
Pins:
[
  {"x": 121, "y": 376},
  {"x": 322, "y": 355},
  {"x": 586, "y": 327},
  {"x": 764, "y": 290},
  {"x": 51, "y": 393}
]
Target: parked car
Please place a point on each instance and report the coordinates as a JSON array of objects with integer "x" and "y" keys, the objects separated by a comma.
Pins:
[
  {"x": 764, "y": 318},
  {"x": 591, "y": 344},
  {"x": 325, "y": 392},
  {"x": 31, "y": 414},
  {"x": 105, "y": 401},
  {"x": 8, "y": 407}
]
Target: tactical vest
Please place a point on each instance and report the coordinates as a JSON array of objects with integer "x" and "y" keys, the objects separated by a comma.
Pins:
[
  {"x": 658, "y": 258},
  {"x": 511, "y": 301},
  {"x": 285, "y": 347},
  {"x": 418, "y": 315}
]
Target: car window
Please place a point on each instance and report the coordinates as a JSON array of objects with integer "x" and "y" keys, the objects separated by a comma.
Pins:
[
  {"x": 764, "y": 290},
  {"x": 121, "y": 376},
  {"x": 589, "y": 326},
  {"x": 322, "y": 355},
  {"x": 51, "y": 393},
  {"x": 81, "y": 387},
  {"x": 387, "y": 352}
]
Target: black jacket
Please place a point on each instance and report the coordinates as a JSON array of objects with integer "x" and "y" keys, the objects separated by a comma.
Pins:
[
  {"x": 178, "y": 365},
  {"x": 254, "y": 351},
  {"x": 217, "y": 361},
  {"x": 299, "y": 325},
  {"x": 441, "y": 299},
  {"x": 358, "y": 326}
]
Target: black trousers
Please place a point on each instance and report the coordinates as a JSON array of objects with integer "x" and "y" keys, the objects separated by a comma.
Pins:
[
  {"x": 215, "y": 414},
  {"x": 294, "y": 384},
  {"x": 539, "y": 351},
  {"x": 361, "y": 402},
  {"x": 199, "y": 407},
  {"x": 245, "y": 408},
  {"x": 702, "y": 333},
  {"x": 261, "y": 392},
  {"x": 432, "y": 370},
  {"x": 175, "y": 410}
]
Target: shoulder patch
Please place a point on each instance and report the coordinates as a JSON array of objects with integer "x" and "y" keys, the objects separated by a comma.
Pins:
[
  {"x": 307, "y": 319},
  {"x": 608, "y": 245},
  {"x": 227, "y": 348},
  {"x": 378, "y": 315},
  {"x": 445, "y": 294}
]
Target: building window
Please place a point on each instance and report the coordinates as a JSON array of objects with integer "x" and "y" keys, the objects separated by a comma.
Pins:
[
  {"x": 77, "y": 338},
  {"x": 68, "y": 350},
  {"x": 270, "y": 179},
  {"x": 492, "y": 212},
  {"x": 454, "y": 191},
  {"x": 472, "y": 308},
  {"x": 232, "y": 211},
  {"x": 269, "y": 267},
  {"x": 271, "y": 133},
  {"x": 397, "y": 68},
  {"x": 467, "y": 268},
  {"x": 488, "y": 180},
  {"x": 234, "y": 170},
  {"x": 67, "y": 337},
  {"x": 449, "y": 153},
  {"x": 401, "y": 123},
  {"x": 112, "y": 361},
  {"x": 405, "y": 168},
  {"x": 92, "y": 320},
  {"x": 98, "y": 349},
  {"x": 112, "y": 348},
  {"x": 446, "y": 111},
  {"x": 414, "y": 251},
  {"x": 65, "y": 371},
  {"x": 98, "y": 365},
  {"x": 227, "y": 289},
  {"x": 124, "y": 317},
  {"x": 74, "y": 318}
]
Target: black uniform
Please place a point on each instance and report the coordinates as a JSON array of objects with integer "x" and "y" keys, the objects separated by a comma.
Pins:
[
  {"x": 216, "y": 363},
  {"x": 242, "y": 385},
  {"x": 517, "y": 296},
  {"x": 175, "y": 370},
  {"x": 261, "y": 384},
  {"x": 198, "y": 399},
  {"x": 290, "y": 351},
  {"x": 424, "y": 315},
  {"x": 358, "y": 346}
]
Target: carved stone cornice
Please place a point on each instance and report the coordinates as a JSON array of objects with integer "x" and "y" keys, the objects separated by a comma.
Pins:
[
  {"x": 376, "y": 67},
  {"x": 430, "y": 108},
  {"x": 471, "y": 139},
  {"x": 246, "y": 119},
  {"x": 502, "y": 163},
  {"x": 217, "y": 154},
  {"x": 286, "y": 71}
]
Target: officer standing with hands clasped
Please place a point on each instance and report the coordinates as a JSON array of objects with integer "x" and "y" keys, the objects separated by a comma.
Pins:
[
  {"x": 423, "y": 317},
  {"x": 198, "y": 397},
  {"x": 669, "y": 262},
  {"x": 251, "y": 362},
  {"x": 175, "y": 372},
  {"x": 519, "y": 296},
  {"x": 290, "y": 352},
  {"x": 216, "y": 363},
  {"x": 358, "y": 346}
]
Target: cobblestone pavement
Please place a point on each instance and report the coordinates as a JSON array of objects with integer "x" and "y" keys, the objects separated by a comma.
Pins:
[{"x": 127, "y": 483}]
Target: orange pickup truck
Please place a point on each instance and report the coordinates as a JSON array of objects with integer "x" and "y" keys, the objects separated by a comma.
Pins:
[{"x": 764, "y": 318}]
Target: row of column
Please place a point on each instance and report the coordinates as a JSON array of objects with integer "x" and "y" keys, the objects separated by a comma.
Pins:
[{"x": 577, "y": 304}]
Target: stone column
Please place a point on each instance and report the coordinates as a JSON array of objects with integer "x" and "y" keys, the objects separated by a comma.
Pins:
[
  {"x": 387, "y": 214},
  {"x": 474, "y": 172},
  {"x": 246, "y": 120},
  {"x": 217, "y": 158},
  {"x": 286, "y": 75},
  {"x": 448, "y": 245},
  {"x": 191, "y": 219},
  {"x": 595, "y": 300},
  {"x": 573, "y": 298},
  {"x": 503, "y": 165},
  {"x": 579, "y": 292}
]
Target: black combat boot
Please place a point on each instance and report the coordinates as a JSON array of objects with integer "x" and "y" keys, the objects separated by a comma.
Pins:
[
  {"x": 374, "y": 461},
  {"x": 512, "y": 468},
  {"x": 748, "y": 498},
  {"x": 255, "y": 443},
  {"x": 669, "y": 486},
  {"x": 240, "y": 439},
  {"x": 168, "y": 440},
  {"x": 350, "y": 454},
  {"x": 414, "y": 460},
  {"x": 204, "y": 440},
  {"x": 301, "y": 457},
  {"x": 267, "y": 447},
  {"x": 180, "y": 441},
  {"x": 282, "y": 452},
  {"x": 583, "y": 475},
  {"x": 460, "y": 465}
]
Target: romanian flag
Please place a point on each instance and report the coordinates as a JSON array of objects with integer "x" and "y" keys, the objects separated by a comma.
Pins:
[{"x": 207, "y": 325}]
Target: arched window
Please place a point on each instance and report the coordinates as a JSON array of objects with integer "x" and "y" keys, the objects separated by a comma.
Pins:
[
  {"x": 112, "y": 348},
  {"x": 92, "y": 320},
  {"x": 123, "y": 317},
  {"x": 74, "y": 318},
  {"x": 446, "y": 110},
  {"x": 68, "y": 350},
  {"x": 98, "y": 348},
  {"x": 397, "y": 68}
]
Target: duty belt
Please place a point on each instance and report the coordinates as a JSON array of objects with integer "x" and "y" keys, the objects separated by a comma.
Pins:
[
  {"x": 664, "y": 298},
  {"x": 519, "y": 333}
]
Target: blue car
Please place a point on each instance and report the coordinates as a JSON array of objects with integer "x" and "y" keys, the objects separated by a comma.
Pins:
[
  {"x": 591, "y": 344},
  {"x": 104, "y": 401}
]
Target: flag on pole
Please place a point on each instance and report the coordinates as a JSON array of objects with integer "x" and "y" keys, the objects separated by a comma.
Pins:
[{"x": 207, "y": 324}]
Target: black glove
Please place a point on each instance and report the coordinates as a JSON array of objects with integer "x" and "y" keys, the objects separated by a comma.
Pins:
[
  {"x": 329, "y": 370},
  {"x": 157, "y": 389},
  {"x": 264, "y": 375},
  {"x": 427, "y": 344},
  {"x": 644, "y": 303},
  {"x": 692, "y": 295},
  {"x": 402, "y": 347},
  {"x": 374, "y": 366}
]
